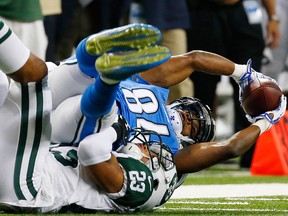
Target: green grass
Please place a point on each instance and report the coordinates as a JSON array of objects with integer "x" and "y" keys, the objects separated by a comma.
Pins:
[
  {"x": 273, "y": 205},
  {"x": 276, "y": 205},
  {"x": 230, "y": 176}
]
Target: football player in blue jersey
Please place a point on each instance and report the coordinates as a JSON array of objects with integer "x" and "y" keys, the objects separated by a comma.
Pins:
[{"x": 185, "y": 125}]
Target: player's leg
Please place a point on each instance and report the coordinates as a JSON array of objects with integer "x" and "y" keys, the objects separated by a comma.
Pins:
[
  {"x": 129, "y": 37},
  {"x": 25, "y": 120},
  {"x": 24, "y": 140},
  {"x": 97, "y": 101},
  {"x": 67, "y": 80},
  {"x": 73, "y": 76}
]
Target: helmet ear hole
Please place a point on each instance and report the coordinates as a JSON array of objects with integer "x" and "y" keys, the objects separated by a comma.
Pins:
[{"x": 156, "y": 184}]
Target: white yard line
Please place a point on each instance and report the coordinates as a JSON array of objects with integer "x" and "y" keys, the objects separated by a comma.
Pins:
[
  {"x": 226, "y": 210},
  {"x": 230, "y": 190}
]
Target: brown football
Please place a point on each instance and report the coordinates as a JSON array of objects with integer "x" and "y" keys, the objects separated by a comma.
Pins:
[{"x": 260, "y": 96}]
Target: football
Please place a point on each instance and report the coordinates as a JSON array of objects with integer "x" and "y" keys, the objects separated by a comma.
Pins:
[{"x": 260, "y": 96}]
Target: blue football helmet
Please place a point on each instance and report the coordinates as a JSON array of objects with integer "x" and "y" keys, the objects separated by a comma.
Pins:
[{"x": 203, "y": 115}]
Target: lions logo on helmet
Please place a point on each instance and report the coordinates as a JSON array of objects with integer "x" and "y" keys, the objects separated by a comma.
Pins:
[
  {"x": 161, "y": 164},
  {"x": 203, "y": 115}
]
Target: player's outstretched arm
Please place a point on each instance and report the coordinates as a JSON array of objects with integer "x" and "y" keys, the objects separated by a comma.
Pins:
[
  {"x": 200, "y": 156},
  {"x": 182, "y": 66}
]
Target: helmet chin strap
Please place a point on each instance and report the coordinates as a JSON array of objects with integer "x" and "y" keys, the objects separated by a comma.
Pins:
[{"x": 176, "y": 121}]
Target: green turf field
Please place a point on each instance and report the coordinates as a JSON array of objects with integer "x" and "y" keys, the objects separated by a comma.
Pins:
[{"x": 221, "y": 175}]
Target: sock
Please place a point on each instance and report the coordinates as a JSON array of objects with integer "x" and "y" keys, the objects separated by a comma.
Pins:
[
  {"x": 98, "y": 99},
  {"x": 86, "y": 61},
  {"x": 13, "y": 53},
  {"x": 239, "y": 71}
]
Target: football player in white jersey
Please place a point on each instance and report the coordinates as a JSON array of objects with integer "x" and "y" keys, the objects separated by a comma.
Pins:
[{"x": 35, "y": 179}]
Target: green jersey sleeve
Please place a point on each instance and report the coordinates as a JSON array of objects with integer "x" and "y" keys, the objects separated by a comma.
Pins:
[{"x": 139, "y": 182}]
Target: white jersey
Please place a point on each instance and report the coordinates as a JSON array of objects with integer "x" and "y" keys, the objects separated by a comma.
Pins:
[
  {"x": 63, "y": 187},
  {"x": 33, "y": 178},
  {"x": 24, "y": 139}
]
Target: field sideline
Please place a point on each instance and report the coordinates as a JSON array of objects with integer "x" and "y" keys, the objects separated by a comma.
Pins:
[{"x": 231, "y": 190}]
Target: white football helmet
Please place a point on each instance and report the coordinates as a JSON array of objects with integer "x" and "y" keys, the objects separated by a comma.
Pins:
[{"x": 161, "y": 164}]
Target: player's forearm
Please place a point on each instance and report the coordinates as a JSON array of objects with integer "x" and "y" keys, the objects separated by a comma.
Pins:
[
  {"x": 199, "y": 156},
  {"x": 210, "y": 63},
  {"x": 243, "y": 140},
  {"x": 270, "y": 8},
  {"x": 32, "y": 71}
]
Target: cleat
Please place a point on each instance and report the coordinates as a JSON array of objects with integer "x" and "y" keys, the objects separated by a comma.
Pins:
[
  {"x": 119, "y": 66},
  {"x": 129, "y": 37}
]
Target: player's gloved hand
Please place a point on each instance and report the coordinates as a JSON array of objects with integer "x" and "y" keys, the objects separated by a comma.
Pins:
[
  {"x": 248, "y": 77},
  {"x": 267, "y": 119},
  {"x": 122, "y": 129}
]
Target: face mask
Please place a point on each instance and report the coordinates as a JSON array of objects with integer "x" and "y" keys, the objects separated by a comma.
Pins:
[
  {"x": 153, "y": 164},
  {"x": 176, "y": 121}
]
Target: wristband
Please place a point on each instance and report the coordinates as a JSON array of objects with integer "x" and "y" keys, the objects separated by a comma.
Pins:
[
  {"x": 274, "y": 18},
  {"x": 239, "y": 71},
  {"x": 263, "y": 124}
]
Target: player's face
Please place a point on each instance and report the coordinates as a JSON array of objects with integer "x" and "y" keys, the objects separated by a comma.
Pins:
[
  {"x": 191, "y": 125},
  {"x": 145, "y": 151}
]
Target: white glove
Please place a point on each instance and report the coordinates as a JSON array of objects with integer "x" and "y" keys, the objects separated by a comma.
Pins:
[
  {"x": 277, "y": 114},
  {"x": 248, "y": 77}
]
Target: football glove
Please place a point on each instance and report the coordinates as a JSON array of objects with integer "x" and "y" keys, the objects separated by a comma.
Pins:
[
  {"x": 122, "y": 129},
  {"x": 271, "y": 116},
  {"x": 248, "y": 77}
]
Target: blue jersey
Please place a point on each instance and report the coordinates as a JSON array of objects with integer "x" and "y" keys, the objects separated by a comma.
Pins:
[{"x": 144, "y": 105}]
